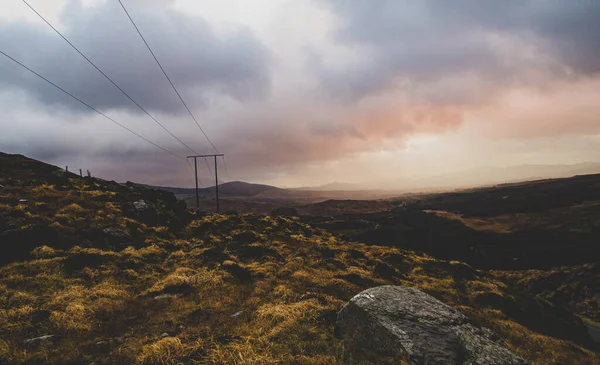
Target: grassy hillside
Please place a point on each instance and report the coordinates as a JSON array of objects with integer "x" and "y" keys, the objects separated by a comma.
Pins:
[{"x": 121, "y": 274}]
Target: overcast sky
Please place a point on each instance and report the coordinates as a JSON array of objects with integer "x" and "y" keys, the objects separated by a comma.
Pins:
[{"x": 300, "y": 93}]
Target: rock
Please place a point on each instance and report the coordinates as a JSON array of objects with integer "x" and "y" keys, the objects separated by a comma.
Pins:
[
  {"x": 406, "y": 324},
  {"x": 115, "y": 232},
  {"x": 165, "y": 296},
  {"x": 140, "y": 205},
  {"x": 236, "y": 314},
  {"x": 163, "y": 335},
  {"x": 39, "y": 341}
]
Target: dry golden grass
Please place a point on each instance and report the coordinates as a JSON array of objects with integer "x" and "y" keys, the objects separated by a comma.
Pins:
[
  {"x": 227, "y": 289},
  {"x": 165, "y": 351}
]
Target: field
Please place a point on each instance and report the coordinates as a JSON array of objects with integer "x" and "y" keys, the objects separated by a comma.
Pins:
[{"x": 95, "y": 271}]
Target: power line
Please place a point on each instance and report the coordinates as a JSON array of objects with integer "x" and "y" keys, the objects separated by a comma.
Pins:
[
  {"x": 208, "y": 167},
  {"x": 167, "y": 76},
  {"x": 226, "y": 172},
  {"x": 89, "y": 106},
  {"x": 106, "y": 76},
  {"x": 189, "y": 165}
]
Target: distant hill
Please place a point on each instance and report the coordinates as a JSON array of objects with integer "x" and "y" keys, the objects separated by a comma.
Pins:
[
  {"x": 232, "y": 189},
  {"x": 239, "y": 188},
  {"x": 333, "y": 186},
  {"x": 490, "y": 175}
]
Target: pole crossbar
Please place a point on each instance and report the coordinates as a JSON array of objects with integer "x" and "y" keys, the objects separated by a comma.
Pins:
[{"x": 213, "y": 155}]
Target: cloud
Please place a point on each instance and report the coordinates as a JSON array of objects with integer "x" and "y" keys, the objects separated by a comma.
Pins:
[
  {"x": 200, "y": 62},
  {"x": 409, "y": 45},
  {"x": 366, "y": 79}
]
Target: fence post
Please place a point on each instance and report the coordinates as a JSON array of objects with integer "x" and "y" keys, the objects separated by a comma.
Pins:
[{"x": 80, "y": 173}]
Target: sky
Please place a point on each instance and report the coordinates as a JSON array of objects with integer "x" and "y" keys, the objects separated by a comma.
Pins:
[{"x": 304, "y": 92}]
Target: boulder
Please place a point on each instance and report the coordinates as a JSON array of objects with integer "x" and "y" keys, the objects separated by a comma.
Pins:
[
  {"x": 140, "y": 205},
  {"x": 405, "y": 324},
  {"x": 115, "y": 232}
]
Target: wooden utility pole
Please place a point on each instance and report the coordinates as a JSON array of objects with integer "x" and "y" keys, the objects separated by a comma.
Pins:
[{"x": 216, "y": 177}]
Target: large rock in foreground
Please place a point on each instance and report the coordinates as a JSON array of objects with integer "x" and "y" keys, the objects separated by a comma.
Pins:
[{"x": 403, "y": 323}]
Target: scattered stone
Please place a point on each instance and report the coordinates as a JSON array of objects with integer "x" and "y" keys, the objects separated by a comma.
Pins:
[
  {"x": 140, "y": 205},
  {"x": 406, "y": 324},
  {"x": 236, "y": 314},
  {"x": 164, "y": 334},
  {"x": 108, "y": 344},
  {"x": 23, "y": 200},
  {"x": 102, "y": 346},
  {"x": 115, "y": 232},
  {"x": 165, "y": 296},
  {"x": 38, "y": 341}
]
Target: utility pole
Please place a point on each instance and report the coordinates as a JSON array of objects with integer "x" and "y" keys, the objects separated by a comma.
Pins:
[
  {"x": 217, "y": 183},
  {"x": 216, "y": 177},
  {"x": 196, "y": 173}
]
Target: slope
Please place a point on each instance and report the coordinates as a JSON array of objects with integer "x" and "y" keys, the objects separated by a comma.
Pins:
[{"x": 113, "y": 285}]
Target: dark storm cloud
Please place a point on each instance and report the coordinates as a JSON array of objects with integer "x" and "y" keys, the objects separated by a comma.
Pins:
[
  {"x": 197, "y": 60},
  {"x": 501, "y": 42}
]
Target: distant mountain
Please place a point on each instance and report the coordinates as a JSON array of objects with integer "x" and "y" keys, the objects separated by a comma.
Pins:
[
  {"x": 479, "y": 176},
  {"x": 490, "y": 175},
  {"x": 334, "y": 186},
  {"x": 239, "y": 188},
  {"x": 233, "y": 188}
]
